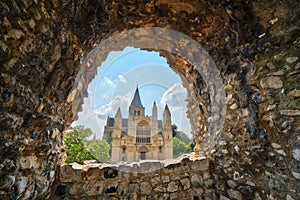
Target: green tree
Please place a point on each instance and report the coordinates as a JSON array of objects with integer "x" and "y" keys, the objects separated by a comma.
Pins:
[
  {"x": 75, "y": 148},
  {"x": 179, "y": 147},
  {"x": 99, "y": 149},
  {"x": 183, "y": 137},
  {"x": 108, "y": 139},
  {"x": 83, "y": 133}
]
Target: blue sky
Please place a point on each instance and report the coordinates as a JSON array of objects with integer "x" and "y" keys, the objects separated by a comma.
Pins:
[{"x": 115, "y": 84}]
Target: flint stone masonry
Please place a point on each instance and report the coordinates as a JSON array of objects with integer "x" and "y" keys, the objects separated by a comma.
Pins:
[
  {"x": 76, "y": 181},
  {"x": 254, "y": 45}
]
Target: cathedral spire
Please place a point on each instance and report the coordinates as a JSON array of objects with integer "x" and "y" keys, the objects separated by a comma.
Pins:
[
  {"x": 167, "y": 111},
  {"x": 118, "y": 113},
  {"x": 154, "y": 111},
  {"x": 166, "y": 116},
  {"x": 136, "y": 101}
]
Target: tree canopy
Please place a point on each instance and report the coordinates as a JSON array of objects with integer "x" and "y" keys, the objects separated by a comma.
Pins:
[
  {"x": 79, "y": 148},
  {"x": 75, "y": 148},
  {"x": 181, "y": 142},
  {"x": 99, "y": 149},
  {"x": 179, "y": 147},
  {"x": 183, "y": 137}
]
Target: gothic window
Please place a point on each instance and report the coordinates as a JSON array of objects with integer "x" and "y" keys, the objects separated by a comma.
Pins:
[
  {"x": 124, "y": 150},
  {"x": 160, "y": 149},
  {"x": 139, "y": 113},
  {"x": 143, "y": 132}
]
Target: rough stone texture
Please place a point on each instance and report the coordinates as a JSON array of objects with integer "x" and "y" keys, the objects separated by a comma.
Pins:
[
  {"x": 42, "y": 44},
  {"x": 136, "y": 185}
]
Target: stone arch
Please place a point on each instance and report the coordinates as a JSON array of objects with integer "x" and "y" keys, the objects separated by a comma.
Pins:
[
  {"x": 143, "y": 152},
  {"x": 48, "y": 39},
  {"x": 143, "y": 122},
  {"x": 196, "y": 69}
]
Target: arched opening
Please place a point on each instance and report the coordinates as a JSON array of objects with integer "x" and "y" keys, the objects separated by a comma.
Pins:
[
  {"x": 143, "y": 153},
  {"x": 163, "y": 89},
  {"x": 206, "y": 96}
]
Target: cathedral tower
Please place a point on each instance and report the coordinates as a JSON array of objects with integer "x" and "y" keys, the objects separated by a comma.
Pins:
[
  {"x": 167, "y": 132},
  {"x": 141, "y": 137}
]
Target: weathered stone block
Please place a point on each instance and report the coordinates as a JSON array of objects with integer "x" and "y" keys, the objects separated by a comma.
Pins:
[
  {"x": 175, "y": 177},
  {"x": 174, "y": 196},
  {"x": 155, "y": 180},
  {"x": 208, "y": 183},
  {"x": 176, "y": 167},
  {"x": 196, "y": 180},
  {"x": 30, "y": 162},
  {"x": 93, "y": 188},
  {"x": 150, "y": 166},
  {"x": 172, "y": 187},
  {"x": 92, "y": 173},
  {"x": 186, "y": 183},
  {"x": 68, "y": 174},
  {"x": 233, "y": 194},
  {"x": 200, "y": 165},
  {"x": 296, "y": 154},
  {"x": 76, "y": 189},
  {"x": 274, "y": 82},
  {"x": 145, "y": 188},
  {"x": 160, "y": 188},
  {"x": 206, "y": 175},
  {"x": 133, "y": 188},
  {"x": 165, "y": 179}
]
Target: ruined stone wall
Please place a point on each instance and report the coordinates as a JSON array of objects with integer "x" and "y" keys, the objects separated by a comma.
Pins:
[
  {"x": 254, "y": 44},
  {"x": 180, "y": 179}
]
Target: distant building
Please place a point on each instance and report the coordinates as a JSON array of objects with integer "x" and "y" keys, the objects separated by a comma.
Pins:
[{"x": 140, "y": 137}]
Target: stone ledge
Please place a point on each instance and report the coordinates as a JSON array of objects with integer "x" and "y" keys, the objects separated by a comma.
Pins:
[{"x": 146, "y": 178}]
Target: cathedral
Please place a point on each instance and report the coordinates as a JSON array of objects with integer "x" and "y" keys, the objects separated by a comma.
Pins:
[{"x": 140, "y": 137}]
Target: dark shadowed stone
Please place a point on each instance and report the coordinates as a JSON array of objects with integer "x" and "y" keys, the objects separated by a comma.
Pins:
[
  {"x": 110, "y": 173},
  {"x": 234, "y": 194},
  {"x": 244, "y": 190},
  {"x": 111, "y": 190},
  {"x": 61, "y": 190},
  {"x": 6, "y": 95}
]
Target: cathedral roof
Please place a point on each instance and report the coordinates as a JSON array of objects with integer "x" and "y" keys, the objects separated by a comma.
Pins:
[{"x": 136, "y": 101}]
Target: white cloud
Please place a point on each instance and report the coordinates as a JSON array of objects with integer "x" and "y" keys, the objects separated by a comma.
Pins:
[
  {"x": 111, "y": 108},
  {"x": 88, "y": 117},
  {"x": 122, "y": 79},
  {"x": 175, "y": 97},
  {"x": 108, "y": 81}
]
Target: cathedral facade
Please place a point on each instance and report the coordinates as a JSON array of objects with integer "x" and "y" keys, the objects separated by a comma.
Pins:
[{"x": 140, "y": 137}]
